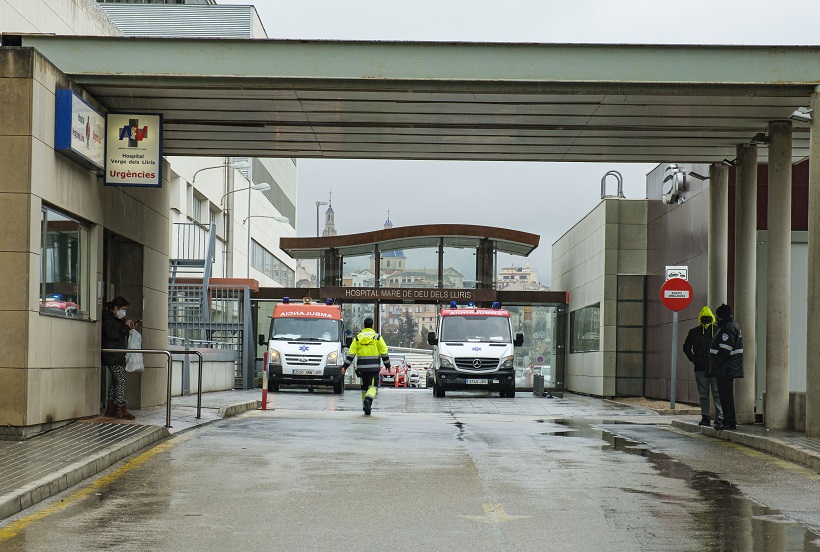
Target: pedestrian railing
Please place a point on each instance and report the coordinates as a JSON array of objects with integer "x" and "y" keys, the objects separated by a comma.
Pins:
[{"x": 169, "y": 357}]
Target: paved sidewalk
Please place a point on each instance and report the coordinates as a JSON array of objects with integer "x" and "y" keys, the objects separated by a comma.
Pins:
[
  {"x": 40, "y": 467},
  {"x": 791, "y": 445}
]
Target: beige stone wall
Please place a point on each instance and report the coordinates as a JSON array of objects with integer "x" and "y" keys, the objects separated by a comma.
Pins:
[
  {"x": 609, "y": 241},
  {"x": 16, "y": 261},
  {"x": 49, "y": 369},
  {"x": 64, "y": 17}
]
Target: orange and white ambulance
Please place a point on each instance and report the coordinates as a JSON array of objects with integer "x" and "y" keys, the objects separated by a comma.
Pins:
[{"x": 305, "y": 346}]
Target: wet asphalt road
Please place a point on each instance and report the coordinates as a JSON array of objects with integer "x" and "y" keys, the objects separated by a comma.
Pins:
[{"x": 465, "y": 473}]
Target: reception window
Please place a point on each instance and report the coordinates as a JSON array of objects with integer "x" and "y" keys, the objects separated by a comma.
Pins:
[
  {"x": 64, "y": 265},
  {"x": 585, "y": 329}
]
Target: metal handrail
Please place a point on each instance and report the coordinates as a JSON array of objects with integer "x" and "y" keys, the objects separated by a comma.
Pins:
[
  {"x": 169, "y": 356},
  {"x": 198, "y": 382}
]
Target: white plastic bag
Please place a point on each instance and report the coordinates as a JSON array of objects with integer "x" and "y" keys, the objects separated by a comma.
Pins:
[{"x": 133, "y": 361}]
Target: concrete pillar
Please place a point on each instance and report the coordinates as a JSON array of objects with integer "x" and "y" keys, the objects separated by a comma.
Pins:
[
  {"x": 778, "y": 273},
  {"x": 745, "y": 276},
  {"x": 813, "y": 321},
  {"x": 718, "y": 235}
]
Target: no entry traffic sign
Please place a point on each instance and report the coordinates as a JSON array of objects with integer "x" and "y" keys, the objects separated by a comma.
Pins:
[{"x": 676, "y": 294}]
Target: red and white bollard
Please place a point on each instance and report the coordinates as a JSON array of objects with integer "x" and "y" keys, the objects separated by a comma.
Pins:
[{"x": 265, "y": 381}]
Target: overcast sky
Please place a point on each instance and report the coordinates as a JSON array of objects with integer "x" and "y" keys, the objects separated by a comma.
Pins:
[{"x": 542, "y": 198}]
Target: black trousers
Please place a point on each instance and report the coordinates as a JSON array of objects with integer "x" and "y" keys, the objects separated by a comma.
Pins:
[
  {"x": 726, "y": 390},
  {"x": 369, "y": 378}
]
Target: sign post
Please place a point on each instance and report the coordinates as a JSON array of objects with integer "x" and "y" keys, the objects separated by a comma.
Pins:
[{"x": 676, "y": 295}]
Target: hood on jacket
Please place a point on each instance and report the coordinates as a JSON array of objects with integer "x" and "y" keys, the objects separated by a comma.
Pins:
[
  {"x": 706, "y": 311},
  {"x": 366, "y": 336}
]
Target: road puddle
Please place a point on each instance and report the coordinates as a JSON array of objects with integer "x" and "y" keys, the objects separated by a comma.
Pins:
[{"x": 726, "y": 519}]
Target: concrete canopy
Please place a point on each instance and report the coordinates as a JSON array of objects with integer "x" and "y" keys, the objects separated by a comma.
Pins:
[{"x": 466, "y": 101}]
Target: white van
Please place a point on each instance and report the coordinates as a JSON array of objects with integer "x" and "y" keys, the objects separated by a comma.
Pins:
[
  {"x": 474, "y": 350},
  {"x": 305, "y": 346}
]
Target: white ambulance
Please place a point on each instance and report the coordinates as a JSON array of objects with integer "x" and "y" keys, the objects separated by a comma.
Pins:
[
  {"x": 473, "y": 349},
  {"x": 305, "y": 346}
]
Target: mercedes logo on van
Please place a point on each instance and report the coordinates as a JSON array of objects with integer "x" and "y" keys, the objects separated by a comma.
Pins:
[{"x": 477, "y": 363}]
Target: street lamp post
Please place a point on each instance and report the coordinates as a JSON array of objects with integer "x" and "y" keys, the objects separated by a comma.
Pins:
[
  {"x": 232, "y": 165},
  {"x": 247, "y": 219},
  {"x": 261, "y": 187},
  {"x": 229, "y": 164},
  {"x": 318, "y": 261}
]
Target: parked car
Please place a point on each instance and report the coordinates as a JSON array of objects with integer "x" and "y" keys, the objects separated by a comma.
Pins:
[
  {"x": 414, "y": 380},
  {"x": 388, "y": 375}
]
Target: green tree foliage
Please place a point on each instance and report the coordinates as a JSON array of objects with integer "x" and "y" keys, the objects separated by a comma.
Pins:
[{"x": 408, "y": 330}]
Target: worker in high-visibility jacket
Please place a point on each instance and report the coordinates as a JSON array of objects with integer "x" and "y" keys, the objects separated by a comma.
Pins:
[{"x": 371, "y": 351}]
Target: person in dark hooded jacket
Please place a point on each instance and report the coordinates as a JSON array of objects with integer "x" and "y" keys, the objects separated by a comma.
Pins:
[
  {"x": 115, "y": 330},
  {"x": 696, "y": 347},
  {"x": 726, "y": 362}
]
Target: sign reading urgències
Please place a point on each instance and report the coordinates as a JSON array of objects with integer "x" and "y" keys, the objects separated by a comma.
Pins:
[
  {"x": 79, "y": 130},
  {"x": 133, "y": 150}
]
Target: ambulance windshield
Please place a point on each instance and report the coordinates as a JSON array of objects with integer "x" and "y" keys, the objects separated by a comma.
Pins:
[
  {"x": 306, "y": 329},
  {"x": 475, "y": 328}
]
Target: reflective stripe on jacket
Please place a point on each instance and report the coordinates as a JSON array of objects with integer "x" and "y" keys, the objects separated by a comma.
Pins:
[
  {"x": 726, "y": 352},
  {"x": 371, "y": 350}
]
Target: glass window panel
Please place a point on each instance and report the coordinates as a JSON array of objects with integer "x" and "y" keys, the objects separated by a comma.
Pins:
[
  {"x": 64, "y": 266},
  {"x": 411, "y": 268},
  {"x": 359, "y": 271},
  {"x": 584, "y": 327},
  {"x": 265, "y": 262},
  {"x": 459, "y": 267}
]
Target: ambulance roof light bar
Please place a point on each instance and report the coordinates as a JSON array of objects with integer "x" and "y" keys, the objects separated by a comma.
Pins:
[
  {"x": 328, "y": 301},
  {"x": 496, "y": 305},
  {"x": 453, "y": 305},
  {"x": 470, "y": 305},
  {"x": 286, "y": 300}
]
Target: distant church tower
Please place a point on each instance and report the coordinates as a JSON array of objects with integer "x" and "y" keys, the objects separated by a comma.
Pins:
[
  {"x": 391, "y": 261},
  {"x": 330, "y": 228}
]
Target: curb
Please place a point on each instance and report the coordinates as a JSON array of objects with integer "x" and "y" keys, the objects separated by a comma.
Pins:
[
  {"x": 662, "y": 412},
  {"x": 772, "y": 445},
  {"x": 235, "y": 409},
  {"x": 69, "y": 476},
  {"x": 61, "y": 480}
]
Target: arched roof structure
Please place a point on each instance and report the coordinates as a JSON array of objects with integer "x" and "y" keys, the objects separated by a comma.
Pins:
[{"x": 514, "y": 242}]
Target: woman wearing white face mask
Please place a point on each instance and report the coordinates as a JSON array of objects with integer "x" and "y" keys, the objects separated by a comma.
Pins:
[{"x": 115, "y": 330}]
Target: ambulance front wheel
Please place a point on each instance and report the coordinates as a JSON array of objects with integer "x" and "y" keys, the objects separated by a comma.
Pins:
[
  {"x": 273, "y": 386},
  {"x": 508, "y": 393},
  {"x": 438, "y": 391}
]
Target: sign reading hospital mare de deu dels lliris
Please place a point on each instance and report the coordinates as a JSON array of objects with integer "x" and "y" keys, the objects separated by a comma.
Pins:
[{"x": 133, "y": 150}]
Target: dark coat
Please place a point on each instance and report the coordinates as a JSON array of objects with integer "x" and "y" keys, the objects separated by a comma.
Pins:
[
  {"x": 114, "y": 336},
  {"x": 699, "y": 342},
  {"x": 726, "y": 352}
]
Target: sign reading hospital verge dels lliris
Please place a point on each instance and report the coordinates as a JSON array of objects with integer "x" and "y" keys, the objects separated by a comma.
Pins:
[{"x": 133, "y": 150}]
